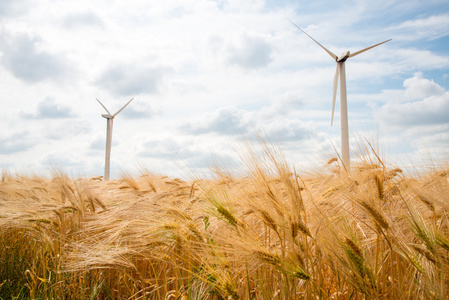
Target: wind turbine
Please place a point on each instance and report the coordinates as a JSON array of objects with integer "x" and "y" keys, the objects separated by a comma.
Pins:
[
  {"x": 340, "y": 72},
  {"x": 110, "y": 118}
]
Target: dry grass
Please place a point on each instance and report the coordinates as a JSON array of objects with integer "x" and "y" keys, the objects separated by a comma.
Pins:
[{"x": 271, "y": 233}]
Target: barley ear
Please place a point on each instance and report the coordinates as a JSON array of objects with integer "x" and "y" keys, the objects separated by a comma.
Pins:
[{"x": 378, "y": 217}]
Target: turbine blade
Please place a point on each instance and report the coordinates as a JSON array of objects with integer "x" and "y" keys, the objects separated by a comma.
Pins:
[
  {"x": 334, "y": 94},
  {"x": 123, "y": 107},
  {"x": 328, "y": 51},
  {"x": 366, "y": 49},
  {"x": 103, "y": 106}
]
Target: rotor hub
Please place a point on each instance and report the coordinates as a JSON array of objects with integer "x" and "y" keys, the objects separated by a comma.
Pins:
[{"x": 343, "y": 57}]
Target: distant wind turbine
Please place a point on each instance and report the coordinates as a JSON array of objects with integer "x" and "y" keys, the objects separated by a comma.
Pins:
[
  {"x": 340, "y": 72},
  {"x": 110, "y": 118}
]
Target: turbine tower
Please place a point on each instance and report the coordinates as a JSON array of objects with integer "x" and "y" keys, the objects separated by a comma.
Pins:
[
  {"x": 110, "y": 118},
  {"x": 340, "y": 72}
]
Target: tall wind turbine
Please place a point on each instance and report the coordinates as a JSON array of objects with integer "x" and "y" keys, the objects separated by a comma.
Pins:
[
  {"x": 340, "y": 72},
  {"x": 110, "y": 118}
]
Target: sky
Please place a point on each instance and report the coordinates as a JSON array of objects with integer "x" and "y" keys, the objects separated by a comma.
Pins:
[{"x": 207, "y": 76}]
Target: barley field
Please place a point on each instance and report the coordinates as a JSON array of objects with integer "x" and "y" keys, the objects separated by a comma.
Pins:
[{"x": 270, "y": 232}]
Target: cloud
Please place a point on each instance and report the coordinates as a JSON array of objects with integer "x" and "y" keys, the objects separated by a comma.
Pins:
[
  {"x": 98, "y": 144},
  {"x": 428, "y": 111},
  {"x": 138, "y": 110},
  {"x": 184, "y": 151},
  {"x": 167, "y": 148},
  {"x": 132, "y": 80},
  {"x": 423, "y": 103},
  {"x": 21, "y": 57},
  {"x": 228, "y": 121},
  {"x": 17, "y": 142},
  {"x": 274, "y": 120},
  {"x": 251, "y": 53},
  {"x": 76, "y": 20},
  {"x": 68, "y": 129},
  {"x": 432, "y": 27},
  {"x": 430, "y": 136},
  {"x": 47, "y": 109},
  {"x": 415, "y": 88},
  {"x": 12, "y": 8},
  {"x": 286, "y": 130},
  {"x": 282, "y": 106},
  {"x": 236, "y": 6},
  {"x": 407, "y": 59},
  {"x": 418, "y": 87},
  {"x": 64, "y": 159},
  {"x": 211, "y": 160}
]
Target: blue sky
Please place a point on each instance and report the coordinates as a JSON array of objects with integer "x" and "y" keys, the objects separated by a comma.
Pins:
[{"x": 208, "y": 74}]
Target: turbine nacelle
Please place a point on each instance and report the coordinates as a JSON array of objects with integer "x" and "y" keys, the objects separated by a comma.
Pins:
[
  {"x": 107, "y": 116},
  {"x": 344, "y": 56}
]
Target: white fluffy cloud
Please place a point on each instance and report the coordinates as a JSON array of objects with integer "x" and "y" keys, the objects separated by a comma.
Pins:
[
  {"x": 138, "y": 110},
  {"x": 227, "y": 120},
  {"x": 132, "y": 79},
  {"x": 417, "y": 118},
  {"x": 423, "y": 102},
  {"x": 418, "y": 87},
  {"x": 47, "y": 108},
  {"x": 272, "y": 121},
  {"x": 22, "y": 57},
  {"x": 17, "y": 142},
  {"x": 74, "y": 20},
  {"x": 250, "y": 53},
  {"x": 428, "y": 111}
]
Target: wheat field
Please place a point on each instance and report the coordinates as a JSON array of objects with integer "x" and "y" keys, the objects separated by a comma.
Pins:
[{"x": 270, "y": 232}]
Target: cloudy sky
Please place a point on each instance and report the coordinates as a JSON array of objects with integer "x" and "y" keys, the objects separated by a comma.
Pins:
[{"x": 208, "y": 74}]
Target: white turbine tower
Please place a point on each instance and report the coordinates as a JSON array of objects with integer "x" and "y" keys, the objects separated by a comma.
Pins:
[
  {"x": 110, "y": 118},
  {"x": 340, "y": 72}
]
